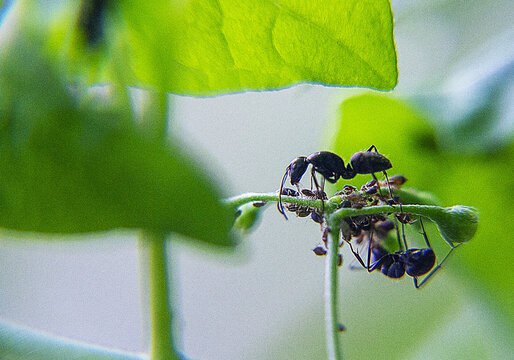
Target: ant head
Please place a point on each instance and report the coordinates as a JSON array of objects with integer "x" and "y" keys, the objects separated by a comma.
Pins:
[
  {"x": 296, "y": 169},
  {"x": 419, "y": 261}
]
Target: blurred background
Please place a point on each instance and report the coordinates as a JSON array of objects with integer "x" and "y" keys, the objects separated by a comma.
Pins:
[{"x": 448, "y": 127}]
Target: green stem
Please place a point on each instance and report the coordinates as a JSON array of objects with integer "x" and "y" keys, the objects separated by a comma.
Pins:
[
  {"x": 162, "y": 343},
  {"x": 431, "y": 212},
  {"x": 154, "y": 246},
  {"x": 331, "y": 319},
  {"x": 330, "y": 206},
  {"x": 236, "y": 201}
]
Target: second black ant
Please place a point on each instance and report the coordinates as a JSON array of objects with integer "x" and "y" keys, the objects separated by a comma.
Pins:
[{"x": 413, "y": 262}]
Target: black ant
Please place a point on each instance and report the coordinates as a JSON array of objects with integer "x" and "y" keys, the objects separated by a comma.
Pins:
[
  {"x": 414, "y": 262},
  {"x": 332, "y": 167}
]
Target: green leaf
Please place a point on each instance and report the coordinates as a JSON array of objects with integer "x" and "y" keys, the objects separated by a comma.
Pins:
[
  {"x": 212, "y": 47},
  {"x": 17, "y": 343},
  {"x": 75, "y": 164}
]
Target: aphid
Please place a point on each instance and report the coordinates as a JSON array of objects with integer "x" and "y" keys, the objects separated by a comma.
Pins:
[
  {"x": 347, "y": 190},
  {"x": 293, "y": 193},
  {"x": 396, "y": 181},
  {"x": 404, "y": 218},
  {"x": 259, "y": 204},
  {"x": 315, "y": 194},
  {"x": 317, "y": 217},
  {"x": 345, "y": 204},
  {"x": 319, "y": 251},
  {"x": 303, "y": 211},
  {"x": 289, "y": 192},
  {"x": 332, "y": 167}
]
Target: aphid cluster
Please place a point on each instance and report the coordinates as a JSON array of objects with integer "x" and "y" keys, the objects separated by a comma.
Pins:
[
  {"x": 365, "y": 231},
  {"x": 304, "y": 211}
]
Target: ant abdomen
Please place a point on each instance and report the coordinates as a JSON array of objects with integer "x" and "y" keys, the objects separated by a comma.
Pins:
[
  {"x": 419, "y": 261},
  {"x": 368, "y": 162}
]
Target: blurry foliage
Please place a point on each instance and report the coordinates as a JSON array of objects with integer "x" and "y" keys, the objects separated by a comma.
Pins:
[{"x": 71, "y": 164}]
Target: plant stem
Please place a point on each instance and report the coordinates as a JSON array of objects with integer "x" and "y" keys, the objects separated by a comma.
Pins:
[
  {"x": 162, "y": 344},
  {"x": 331, "y": 319},
  {"x": 236, "y": 201},
  {"x": 154, "y": 246}
]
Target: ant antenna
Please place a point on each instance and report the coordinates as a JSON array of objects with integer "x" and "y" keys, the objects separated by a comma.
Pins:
[{"x": 280, "y": 206}]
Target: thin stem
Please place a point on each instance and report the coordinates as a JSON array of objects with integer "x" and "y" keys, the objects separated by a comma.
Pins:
[
  {"x": 162, "y": 343},
  {"x": 331, "y": 319},
  {"x": 429, "y": 211},
  {"x": 237, "y": 201}
]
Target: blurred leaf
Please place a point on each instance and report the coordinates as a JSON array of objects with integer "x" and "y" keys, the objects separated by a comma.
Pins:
[
  {"x": 17, "y": 343},
  {"x": 72, "y": 164},
  {"x": 211, "y": 47},
  {"x": 474, "y": 107},
  {"x": 483, "y": 181}
]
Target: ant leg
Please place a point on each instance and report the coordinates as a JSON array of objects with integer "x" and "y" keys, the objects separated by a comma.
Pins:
[
  {"x": 425, "y": 234},
  {"x": 280, "y": 206},
  {"x": 356, "y": 254},
  {"x": 322, "y": 195},
  {"x": 403, "y": 236},
  {"x": 373, "y": 147},
  {"x": 318, "y": 188},
  {"x": 389, "y": 186},
  {"x": 313, "y": 178},
  {"x": 434, "y": 270},
  {"x": 369, "y": 251}
]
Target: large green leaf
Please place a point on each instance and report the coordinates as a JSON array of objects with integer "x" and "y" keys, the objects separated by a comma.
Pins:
[
  {"x": 72, "y": 164},
  {"x": 207, "y": 47}
]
